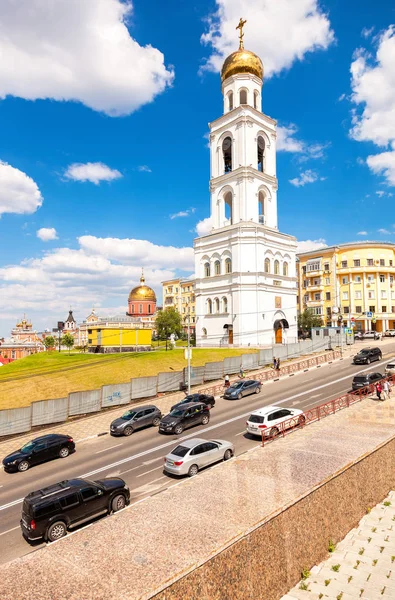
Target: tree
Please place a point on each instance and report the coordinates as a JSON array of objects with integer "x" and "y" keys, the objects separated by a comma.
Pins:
[
  {"x": 167, "y": 322},
  {"x": 307, "y": 319},
  {"x": 67, "y": 340},
  {"x": 49, "y": 342}
]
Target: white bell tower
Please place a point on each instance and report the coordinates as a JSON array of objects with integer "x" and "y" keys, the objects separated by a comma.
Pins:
[{"x": 245, "y": 268}]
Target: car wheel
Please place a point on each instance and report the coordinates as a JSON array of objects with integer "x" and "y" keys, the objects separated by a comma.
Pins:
[
  {"x": 274, "y": 432},
  {"x": 156, "y": 421},
  {"x": 178, "y": 429},
  {"x": 228, "y": 454},
  {"x": 257, "y": 390},
  {"x": 302, "y": 420},
  {"x": 56, "y": 531},
  {"x": 239, "y": 397},
  {"x": 128, "y": 431},
  {"x": 64, "y": 452},
  {"x": 368, "y": 361},
  {"x": 23, "y": 466},
  {"x": 205, "y": 419},
  {"x": 118, "y": 503},
  {"x": 193, "y": 470}
]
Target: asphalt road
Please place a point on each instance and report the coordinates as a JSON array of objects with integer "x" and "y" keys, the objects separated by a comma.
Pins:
[{"x": 138, "y": 459}]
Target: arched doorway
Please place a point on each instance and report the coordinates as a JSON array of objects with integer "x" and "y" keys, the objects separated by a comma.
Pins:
[{"x": 279, "y": 326}]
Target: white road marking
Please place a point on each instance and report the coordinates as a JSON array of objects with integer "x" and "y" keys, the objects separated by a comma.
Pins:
[
  {"x": 150, "y": 462},
  {"x": 146, "y": 472},
  {"x": 8, "y": 530},
  {"x": 241, "y": 433},
  {"x": 13, "y": 503},
  {"x": 107, "y": 449}
]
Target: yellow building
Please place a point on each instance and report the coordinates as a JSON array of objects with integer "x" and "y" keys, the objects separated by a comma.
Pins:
[
  {"x": 180, "y": 293},
  {"x": 353, "y": 281},
  {"x": 119, "y": 337}
]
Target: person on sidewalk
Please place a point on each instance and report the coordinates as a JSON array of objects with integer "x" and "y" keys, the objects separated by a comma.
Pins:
[
  {"x": 227, "y": 381},
  {"x": 274, "y": 363},
  {"x": 379, "y": 390},
  {"x": 386, "y": 389},
  {"x": 278, "y": 364},
  {"x": 241, "y": 373}
]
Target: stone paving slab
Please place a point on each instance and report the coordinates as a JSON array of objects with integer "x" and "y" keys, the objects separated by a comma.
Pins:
[{"x": 372, "y": 543}]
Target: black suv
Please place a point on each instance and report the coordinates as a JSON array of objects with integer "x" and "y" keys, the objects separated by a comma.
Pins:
[
  {"x": 50, "y": 512},
  {"x": 41, "y": 449},
  {"x": 361, "y": 381},
  {"x": 201, "y": 398},
  {"x": 185, "y": 416},
  {"x": 367, "y": 355}
]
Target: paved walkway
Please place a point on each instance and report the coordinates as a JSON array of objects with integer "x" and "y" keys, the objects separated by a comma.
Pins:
[{"x": 361, "y": 566}]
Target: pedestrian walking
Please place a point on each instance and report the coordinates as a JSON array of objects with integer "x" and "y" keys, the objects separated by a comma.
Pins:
[
  {"x": 386, "y": 389},
  {"x": 379, "y": 390},
  {"x": 227, "y": 381},
  {"x": 241, "y": 373},
  {"x": 278, "y": 364},
  {"x": 274, "y": 363}
]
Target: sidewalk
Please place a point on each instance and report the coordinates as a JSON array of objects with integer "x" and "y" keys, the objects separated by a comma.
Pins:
[{"x": 362, "y": 565}]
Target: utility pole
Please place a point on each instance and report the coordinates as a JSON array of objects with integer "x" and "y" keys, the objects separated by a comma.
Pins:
[
  {"x": 189, "y": 351},
  {"x": 59, "y": 330}
]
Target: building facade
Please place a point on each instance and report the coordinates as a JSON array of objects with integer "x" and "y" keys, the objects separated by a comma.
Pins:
[
  {"x": 351, "y": 284},
  {"x": 23, "y": 342},
  {"x": 180, "y": 294},
  {"x": 245, "y": 268}
]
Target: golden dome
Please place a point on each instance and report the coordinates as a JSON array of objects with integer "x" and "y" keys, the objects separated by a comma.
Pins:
[
  {"x": 142, "y": 292},
  {"x": 242, "y": 61}
]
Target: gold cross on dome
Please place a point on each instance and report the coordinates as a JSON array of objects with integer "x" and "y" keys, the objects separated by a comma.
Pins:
[{"x": 240, "y": 26}]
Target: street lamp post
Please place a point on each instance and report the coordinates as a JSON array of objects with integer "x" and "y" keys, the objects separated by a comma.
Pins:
[{"x": 189, "y": 352}]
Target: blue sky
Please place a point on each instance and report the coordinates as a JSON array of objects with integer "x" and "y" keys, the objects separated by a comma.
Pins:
[{"x": 104, "y": 108}]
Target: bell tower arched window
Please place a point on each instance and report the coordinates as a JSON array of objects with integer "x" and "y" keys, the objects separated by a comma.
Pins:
[
  {"x": 216, "y": 305},
  {"x": 261, "y": 154},
  {"x": 243, "y": 96},
  {"x": 207, "y": 269},
  {"x": 227, "y": 153},
  {"x": 209, "y": 307},
  {"x": 228, "y": 265},
  {"x": 261, "y": 208},
  {"x": 276, "y": 267},
  {"x": 228, "y": 200},
  {"x": 230, "y": 101},
  {"x": 285, "y": 269},
  {"x": 217, "y": 268},
  {"x": 224, "y": 305},
  {"x": 267, "y": 265}
]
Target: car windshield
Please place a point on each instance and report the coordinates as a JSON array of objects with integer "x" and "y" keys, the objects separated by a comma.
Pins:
[
  {"x": 128, "y": 415},
  {"x": 180, "y": 451},
  {"x": 236, "y": 385},
  {"x": 362, "y": 352},
  {"x": 191, "y": 398},
  {"x": 360, "y": 378},
  {"x": 256, "y": 419},
  {"x": 27, "y": 447},
  {"x": 176, "y": 413}
]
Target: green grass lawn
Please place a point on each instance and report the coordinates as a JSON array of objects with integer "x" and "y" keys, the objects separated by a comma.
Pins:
[{"x": 54, "y": 375}]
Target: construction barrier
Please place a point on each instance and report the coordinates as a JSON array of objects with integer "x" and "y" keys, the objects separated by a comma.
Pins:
[
  {"x": 116, "y": 394},
  {"x": 45, "y": 412},
  {"x": 170, "y": 382},
  {"x": 15, "y": 420},
  {"x": 81, "y": 403},
  {"x": 143, "y": 387}
]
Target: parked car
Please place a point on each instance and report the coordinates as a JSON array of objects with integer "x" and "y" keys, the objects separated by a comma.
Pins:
[
  {"x": 271, "y": 417},
  {"x": 361, "y": 381},
  {"x": 367, "y": 355},
  {"x": 186, "y": 416},
  {"x": 390, "y": 368},
  {"x": 39, "y": 450},
  {"x": 50, "y": 512},
  {"x": 358, "y": 335},
  {"x": 371, "y": 335},
  {"x": 192, "y": 455},
  {"x": 389, "y": 333},
  {"x": 203, "y": 398},
  {"x": 242, "y": 388},
  {"x": 136, "y": 418}
]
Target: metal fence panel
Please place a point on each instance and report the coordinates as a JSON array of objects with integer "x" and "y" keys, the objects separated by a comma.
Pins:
[
  {"x": 250, "y": 361},
  {"x": 170, "y": 382},
  {"x": 81, "y": 403},
  {"x": 197, "y": 375},
  {"x": 116, "y": 394},
  {"x": 15, "y": 420},
  {"x": 232, "y": 364},
  {"x": 143, "y": 387},
  {"x": 213, "y": 370},
  {"x": 45, "y": 412},
  {"x": 265, "y": 357}
]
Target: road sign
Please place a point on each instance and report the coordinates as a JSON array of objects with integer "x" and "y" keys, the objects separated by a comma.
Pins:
[
  {"x": 349, "y": 331},
  {"x": 369, "y": 315},
  {"x": 352, "y": 319}
]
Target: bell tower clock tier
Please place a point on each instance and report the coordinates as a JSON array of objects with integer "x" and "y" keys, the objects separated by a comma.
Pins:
[{"x": 245, "y": 268}]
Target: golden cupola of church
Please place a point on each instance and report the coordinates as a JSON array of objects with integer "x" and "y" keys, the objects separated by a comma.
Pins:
[
  {"x": 142, "y": 300},
  {"x": 242, "y": 61}
]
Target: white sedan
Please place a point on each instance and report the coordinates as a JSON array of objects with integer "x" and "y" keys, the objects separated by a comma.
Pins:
[
  {"x": 390, "y": 368},
  {"x": 270, "y": 418},
  {"x": 192, "y": 455}
]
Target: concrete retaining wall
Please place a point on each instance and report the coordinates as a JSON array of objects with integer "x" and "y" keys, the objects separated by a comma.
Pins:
[{"x": 46, "y": 412}]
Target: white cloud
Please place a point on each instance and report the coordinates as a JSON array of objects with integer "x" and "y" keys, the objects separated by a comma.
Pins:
[
  {"x": 362, "y": 233},
  {"x": 287, "y": 142},
  {"x": 308, "y": 176},
  {"x": 183, "y": 213},
  {"x": 342, "y": 97},
  {"x": 383, "y": 164},
  {"x": 367, "y": 32},
  {"x": 19, "y": 193},
  {"x": 380, "y": 193},
  {"x": 279, "y": 31},
  {"x": 47, "y": 234},
  {"x": 144, "y": 169},
  {"x": 310, "y": 245},
  {"x": 204, "y": 227},
  {"x": 384, "y": 231},
  {"x": 80, "y": 51},
  {"x": 94, "y": 172}
]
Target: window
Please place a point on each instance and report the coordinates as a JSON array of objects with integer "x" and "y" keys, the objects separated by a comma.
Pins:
[
  {"x": 224, "y": 305},
  {"x": 371, "y": 278},
  {"x": 357, "y": 262},
  {"x": 358, "y": 309},
  {"x": 345, "y": 295},
  {"x": 204, "y": 332},
  {"x": 243, "y": 96},
  {"x": 261, "y": 153},
  {"x": 372, "y": 308},
  {"x": 393, "y": 309},
  {"x": 261, "y": 207},
  {"x": 285, "y": 269},
  {"x": 346, "y": 310},
  {"x": 371, "y": 295},
  {"x": 149, "y": 308},
  {"x": 344, "y": 264},
  {"x": 68, "y": 501},
  {"x": 358, "y": 295},
  {"x": 382, "y": 262},
  {"x": 327, "y": 296},
  {"x": 132, "y": 308},
  {"x": 230, "y": 101},
  {"x": 209, "y": 307},
  {"x": 328, "y": 311},
  {"x": 228, "y": 199},
  {"x": 316, "y": 310},
  {"x": 227, "y": 154},
  {"x": 89, "y": 493},
  {"x": 217, "y": 267},
  {"x": 390, "y": 263},
  {"x": 326, "y": 267},
  {"x": 216, "y": 305},
  {"x": 391, "y": 279},
  {"x": 89, "y": 340},
  {"x": 228, "y": 265},
  {"x": 314, "y": 266},
  {"x": 207, "y": 269},
  {"x": 276, "y": 267},
  {"x": 140, "y": 308},
  {"x": 89, "y": 331},
  {"x": 382, "y": 278},
  {"x": 317, "y": 297},
  {"x": 383, "y": 309},
  {"x": 369, "y": 262},
  {"x": 357, "y": 279},
  {"x": 267, "y": 265},
  {"x": 383, "y": 294},
  {"x": 327, "y": 280},
  {"x": 344, "y": 280}
]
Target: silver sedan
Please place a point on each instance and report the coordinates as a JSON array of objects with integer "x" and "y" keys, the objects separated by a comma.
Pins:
[{"x": 192, "y": 455}]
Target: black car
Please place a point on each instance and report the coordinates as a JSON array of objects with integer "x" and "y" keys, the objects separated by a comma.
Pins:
[
  {"x": 185, "y": 416},
  {"x": 365, "y": 379},
  {"x": 39, "y": 450},
  {"x": 243, "y": 388},
  {"x": 49, "y": 513},
  {"x": 136, "y": 418},
  {"x": 209, "y": 401},
  {"x": 367, "y": 355}
]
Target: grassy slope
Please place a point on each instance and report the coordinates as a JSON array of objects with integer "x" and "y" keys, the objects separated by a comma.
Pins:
[{"x": 54, "y": 375}]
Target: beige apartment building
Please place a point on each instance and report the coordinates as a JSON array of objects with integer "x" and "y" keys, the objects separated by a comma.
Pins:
[
  {"x": 350, "y": 283},
  {"x": 180, "y": 293}
]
